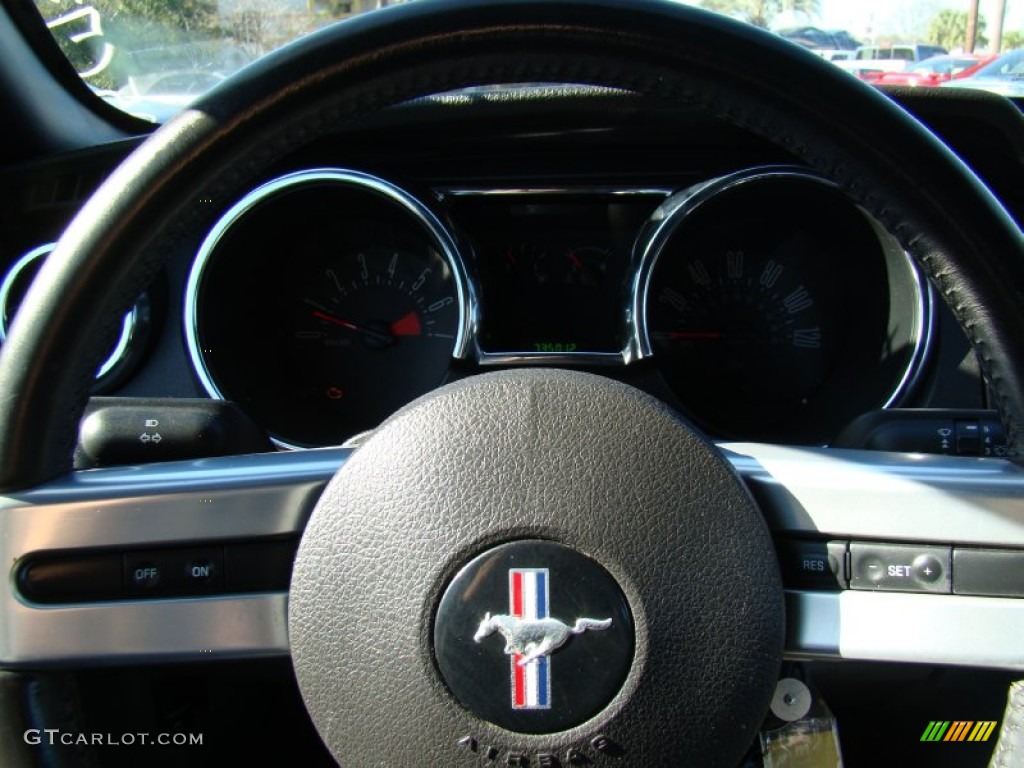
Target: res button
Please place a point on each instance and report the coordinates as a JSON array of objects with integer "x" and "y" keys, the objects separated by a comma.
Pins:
[{"x": 813, "y": 564}]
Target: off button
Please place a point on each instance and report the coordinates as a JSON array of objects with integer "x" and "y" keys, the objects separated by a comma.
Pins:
[{"x": 144, "y": 575}]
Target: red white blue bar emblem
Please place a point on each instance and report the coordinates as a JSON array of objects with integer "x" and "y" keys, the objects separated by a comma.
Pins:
[{"x": 528, "y": 599}]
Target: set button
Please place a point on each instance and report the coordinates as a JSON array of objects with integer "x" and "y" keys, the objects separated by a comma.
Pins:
[{"x": 900, "y": 567}]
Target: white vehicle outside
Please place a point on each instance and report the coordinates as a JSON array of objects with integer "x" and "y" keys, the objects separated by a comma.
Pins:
[{"x": 869, "y": 59}]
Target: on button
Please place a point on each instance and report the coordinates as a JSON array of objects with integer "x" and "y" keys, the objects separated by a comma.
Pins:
[{"x": 203, "y": 570}]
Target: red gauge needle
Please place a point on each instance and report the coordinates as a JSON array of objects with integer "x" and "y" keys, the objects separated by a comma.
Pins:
[
  {"x": 336, "y": 320},
  {"x": 369, "y": 332},
  {"x": 693, "y": 335}
]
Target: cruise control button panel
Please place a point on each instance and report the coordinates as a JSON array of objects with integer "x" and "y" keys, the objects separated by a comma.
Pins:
[
  {"x": 900, "y": 567},
  {"x": 144, "y": 574},
  {"x": 174, "y": 571}
]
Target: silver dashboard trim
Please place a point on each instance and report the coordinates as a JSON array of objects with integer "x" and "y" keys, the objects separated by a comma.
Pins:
[
  {"x": 905, "y": 627},
  {"x": 443, "y": 192},
  {"x": 139, "y": 632},
  {"x": 896, "y": 497},
  {"x": 597, "y": 359},
  {"x": 228, "y": 498},
  {"x": 803, "y": 491},
  {"x": 424, "y": 216}
]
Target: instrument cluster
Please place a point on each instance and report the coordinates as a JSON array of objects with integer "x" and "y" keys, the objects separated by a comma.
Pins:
[{"x": 766, "y": 305}]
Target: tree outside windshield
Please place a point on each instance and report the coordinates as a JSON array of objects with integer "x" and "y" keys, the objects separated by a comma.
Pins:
[{"x": 153, "y": 57}]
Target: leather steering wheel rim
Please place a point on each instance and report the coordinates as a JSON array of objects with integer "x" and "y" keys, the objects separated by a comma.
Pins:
[
  {"x": 878, "y": 154},
  {"x": 881, "y": 157}
]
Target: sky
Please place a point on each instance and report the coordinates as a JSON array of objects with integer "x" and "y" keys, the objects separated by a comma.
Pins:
[
  {"x": 867, "y": 19},
  {"x": 905, "y": 16}
]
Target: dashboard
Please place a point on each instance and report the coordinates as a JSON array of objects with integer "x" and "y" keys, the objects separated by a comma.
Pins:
[
  {"x": 771, "y": 307},
  {"x": 522, "y": 227},
  {"x": 739, "y": 288}
]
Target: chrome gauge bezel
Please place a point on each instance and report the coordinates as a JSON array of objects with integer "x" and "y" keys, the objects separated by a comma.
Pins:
[
  {"x": 680, "y": 207},
  {"x": 133, "y": 324},
  {"x": 650, "y": 242},
  {"x": 926, "y": 320},
  {"x": 412, "y": 205},
  {"x": 627, "y": 353}
]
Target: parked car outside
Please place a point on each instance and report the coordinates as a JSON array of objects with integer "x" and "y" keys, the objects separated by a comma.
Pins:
[
  {"x": 872, "y": 61},
  {"x": 830, "y": 44},
  {"x": 930, "y": 72},
  {"x": 1004, "y": 76},
  {"x": 815, "y": 38}
]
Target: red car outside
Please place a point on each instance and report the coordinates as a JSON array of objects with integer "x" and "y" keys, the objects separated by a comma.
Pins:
[{"x": 935, "y": 70}]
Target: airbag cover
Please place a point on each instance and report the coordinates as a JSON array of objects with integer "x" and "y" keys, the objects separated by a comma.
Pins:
[{"x": 549, "y": 455}]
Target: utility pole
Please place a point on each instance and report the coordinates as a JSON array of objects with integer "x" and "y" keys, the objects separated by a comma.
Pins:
[
  {"x": 997, "y": 27},
  {"x": 972, "y": 26}
]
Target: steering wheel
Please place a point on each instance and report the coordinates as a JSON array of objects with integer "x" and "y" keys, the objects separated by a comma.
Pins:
[{"x": 665, "y": 630}]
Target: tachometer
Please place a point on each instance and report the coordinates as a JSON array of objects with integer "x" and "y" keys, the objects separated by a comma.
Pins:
[
  {"x": 373, "y": 328},
  {"x": 324, "y": 301}
]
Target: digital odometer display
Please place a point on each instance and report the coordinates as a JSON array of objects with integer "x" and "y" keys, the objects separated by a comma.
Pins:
[{"x": 552, "y": 269}]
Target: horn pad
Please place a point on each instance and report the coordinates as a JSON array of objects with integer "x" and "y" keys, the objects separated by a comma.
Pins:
[
  {"x": 610, "y": 475},
  {"x": 534, "y": 636}
]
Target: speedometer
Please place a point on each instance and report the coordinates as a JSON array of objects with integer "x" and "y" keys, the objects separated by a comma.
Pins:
[
  {"x": 777, "y": 310},
  {"x": 322, "y": 329}
]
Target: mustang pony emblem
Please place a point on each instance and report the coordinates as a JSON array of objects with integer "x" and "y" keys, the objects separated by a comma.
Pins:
[
  {"x": 529, "y": 639},
  {"x": 531, "y": 635}
]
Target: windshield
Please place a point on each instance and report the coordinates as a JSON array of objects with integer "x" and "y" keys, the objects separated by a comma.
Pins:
[
  {"x": 944, "y": 65},
  {"x": 153, "y": 57},
  {"x": 1008, "y": 65}
]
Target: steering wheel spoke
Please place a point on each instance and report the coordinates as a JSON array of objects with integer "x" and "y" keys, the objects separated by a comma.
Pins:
[
  {"x": 128, "y": 533},
  {"x": 528, "y": 458},
  {"x": 806, "y": 494},
  {"x": 899, "y": 505}
]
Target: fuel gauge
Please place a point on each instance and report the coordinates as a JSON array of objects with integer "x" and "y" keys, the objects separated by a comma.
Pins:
[{"x": 586, "y": 265}]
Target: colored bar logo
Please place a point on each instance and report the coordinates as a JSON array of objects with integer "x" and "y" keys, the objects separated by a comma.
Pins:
[
  {"x": 528, "y": 599},
  {"x": 958, "y": 730}
]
